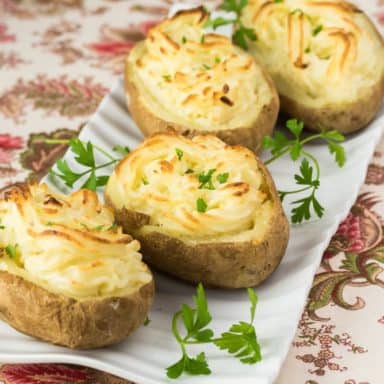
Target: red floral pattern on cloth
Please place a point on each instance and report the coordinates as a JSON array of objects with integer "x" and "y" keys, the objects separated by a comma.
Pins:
[{"x": 50, "y": 90}]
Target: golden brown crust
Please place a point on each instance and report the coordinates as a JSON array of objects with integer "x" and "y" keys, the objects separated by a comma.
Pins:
[
  {"x": 84, "y": 324},
  {"x": 250, "y": 137},
  {"x": 345, "y": 118},
  {"x": 225, "y": 265}
]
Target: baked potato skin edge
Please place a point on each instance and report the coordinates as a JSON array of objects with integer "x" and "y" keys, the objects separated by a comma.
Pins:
[{"x": 80, "y": 324}]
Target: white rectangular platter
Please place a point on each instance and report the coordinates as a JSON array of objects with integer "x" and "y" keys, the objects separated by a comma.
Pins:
[{"x": 143, "y": 356}]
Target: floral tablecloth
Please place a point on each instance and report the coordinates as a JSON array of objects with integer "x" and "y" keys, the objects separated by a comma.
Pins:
[{"x": 58, "y": 58}]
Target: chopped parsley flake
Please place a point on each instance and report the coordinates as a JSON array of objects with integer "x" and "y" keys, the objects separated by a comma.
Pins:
[
  {"x": 179, "y": 153},
  {"x": 183, "y": 39},
  {"x": 217, "y": 60},
  {"x": 145, "y": 181},
  {"x": 189, "y": 170},
  {"x": 201, "y": 205},
  {"x": 206, "y": 67},
  {"x": 11, "y": 250},
  {"x": 205, "y": 179},
  {"x": 167, "y": 77},
  {"x": 222, "y": 177},
  {"x": 317, "y": 30}
]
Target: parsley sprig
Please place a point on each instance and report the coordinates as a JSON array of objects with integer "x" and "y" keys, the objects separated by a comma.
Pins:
[
  {"x": 85, "y": 156},
  {"x": 240, "y": 340},
  {"x": 308, "y": 179},
  {"x": 241, "y": 35}
]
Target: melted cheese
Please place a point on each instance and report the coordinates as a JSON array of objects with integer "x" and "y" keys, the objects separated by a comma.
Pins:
[
  {"x": 318, "y": 52},
  {"x": 198, "y": 80},
  {"x": 161, "y": 179},
  {"x": 66, "y": 244}
]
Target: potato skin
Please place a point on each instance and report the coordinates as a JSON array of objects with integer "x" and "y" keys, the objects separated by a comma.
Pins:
[
  {"x": 61, "y": 320},
  {"x": 222, "y": 265},
  {"x": 345, "y": 118},
  {"x": 250, "y": 137}
]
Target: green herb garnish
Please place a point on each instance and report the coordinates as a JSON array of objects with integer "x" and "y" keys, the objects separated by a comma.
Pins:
[
  {"x": 222, "y": 177},
  {"x": 183, "y": 39},
  {"x": 242, "y": 35},
  {"x": 217, "y": 60},
  {"x": 146, "y": 321},
  {"x": 317, "y": 30},
  {"x": 206, "y": 67},
  {"x": 122, "y": 150},
  {"x": 179, "y": 153},
  {"x": 1, "y": 225},
  {"x": 309, "y": 177},
  {"x": 201, "y": 205},
  {"x": 167, "y": 77},
  {"x": 189, "y": 170},
  {"x": 205, "y": 179},
  {"x": 145, "y": 180},
  {"x": 84, "y": 155},
  {"x": 97, "y": 228},
  {"x": 11, "y": 250},
  {"x": 240, "y": 340}
]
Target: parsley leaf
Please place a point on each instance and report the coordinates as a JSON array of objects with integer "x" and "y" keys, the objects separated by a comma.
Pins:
[
  {"x": 309, "y": 177},
  {"x": 240, "y": 340},
  {"x": 122, "y": 150},
  {"x": 217, "y": 22},
  {"x": 91, "y": 182},
  {"x": 317, "y": 30},
  {"x": 83, "y": 152},
  {"x": 66, "y": 173},
  {"x": 201, "y": 205},
  {"x": 205, "y": 179},
  {"x": 339, "y": 152},
  {"x": 179, "y": 153},
  {"x": 241, "y": 33},
  {"x": 11, "y": 250},
  {"x": 84, "y": 156},
  {"x": 222, "y": 177}
]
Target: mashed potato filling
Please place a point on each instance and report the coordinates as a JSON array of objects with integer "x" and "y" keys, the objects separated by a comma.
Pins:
[
  {"x": 318, "y": 52},
  {"x": 68, "y": 244},
  {"x": 196, "y": 189},
  {"x": 195, "y": 79}
]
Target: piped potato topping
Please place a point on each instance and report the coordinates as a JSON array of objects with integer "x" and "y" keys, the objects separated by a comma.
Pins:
[
  {"x": 196, "y": 189},
  {"x": 309, "y": 44},
  {"x": 197, "y": 79},
  {"x": 67, "y": 244}
]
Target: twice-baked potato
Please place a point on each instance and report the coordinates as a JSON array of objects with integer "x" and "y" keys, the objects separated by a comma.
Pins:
[
  {"x": 195, "y": 82},
  {"x": 68, "y": 275},
  {"x": 326, "y": 58},
  {"x": 203, "y": 211}
]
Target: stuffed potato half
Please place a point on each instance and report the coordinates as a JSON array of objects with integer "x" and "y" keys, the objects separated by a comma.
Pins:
[
  {"x": 197, "y": 82},
  {"x": 326, "y": 58},
  {"x": 202, "y": 210},
  {"x": 68, "y": 275}
]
